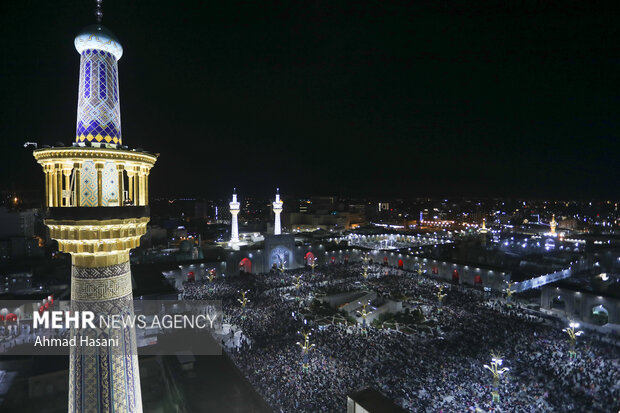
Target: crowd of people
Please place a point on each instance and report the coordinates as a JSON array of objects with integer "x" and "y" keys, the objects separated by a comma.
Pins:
[{"x": 439, "y": 372}]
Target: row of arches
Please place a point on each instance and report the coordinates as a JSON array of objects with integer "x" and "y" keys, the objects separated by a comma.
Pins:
[{"x": 245, "y": 266}]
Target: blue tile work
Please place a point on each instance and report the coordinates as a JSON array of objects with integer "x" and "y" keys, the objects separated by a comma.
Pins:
[
  {"x": 99, "y": 117},
  {"x": 87, "y": 80},
  {"x": 102, "y": 82}
]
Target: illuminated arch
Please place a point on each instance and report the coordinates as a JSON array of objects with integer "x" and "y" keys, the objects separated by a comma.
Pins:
[
  {"x": 477, "y": 279},
  {"x": 309, "y": 258},
  {"x": 455, "y": 276},
  {"x": 245, "y": 266},
  {"x": 401, "y": 264},
  {"x": 281, "y": 256}
]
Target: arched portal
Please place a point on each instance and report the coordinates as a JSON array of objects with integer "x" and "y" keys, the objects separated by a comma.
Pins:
[
  {"x": 401, "y": 264},
  {"x": 245, "y": 266},
  {"x": 309, "y": 258},
  {"x": 281, "y": 257},
  {"x": 477, "y": 279},
  {"x": 385, "y": 260},
  {"x": 191, "y": 277},
  {"x": 599, "y": 315},
  {"x": 455, "y": 276}
]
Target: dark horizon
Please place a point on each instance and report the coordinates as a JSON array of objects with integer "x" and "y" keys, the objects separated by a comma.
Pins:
[{"x": 377, "y": 100}]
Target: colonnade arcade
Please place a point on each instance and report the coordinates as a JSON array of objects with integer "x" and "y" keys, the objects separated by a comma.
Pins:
[{"x": 91, "y": 177}]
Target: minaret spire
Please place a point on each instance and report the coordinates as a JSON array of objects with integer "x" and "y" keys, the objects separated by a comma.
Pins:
[
  {"x": 234, "y": 211},
  {"x": 277, "y": 210},
  {"x": 99, "y": 11}
]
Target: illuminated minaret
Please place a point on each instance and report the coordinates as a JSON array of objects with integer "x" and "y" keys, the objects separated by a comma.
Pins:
[
  {"x": 553, "y": 225},
  {"x": 234, "y": 225},
  {"x": 89, "y": 216},
  {"x": 277, "y": 209},
  {"x": 483, "y": 229}
]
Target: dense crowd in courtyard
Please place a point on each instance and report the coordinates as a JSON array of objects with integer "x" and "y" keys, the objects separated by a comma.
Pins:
[{"x": 438, "y": 372}]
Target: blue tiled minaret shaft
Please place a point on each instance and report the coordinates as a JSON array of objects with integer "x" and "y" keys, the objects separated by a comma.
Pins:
[{"x": 99, "y": 114}]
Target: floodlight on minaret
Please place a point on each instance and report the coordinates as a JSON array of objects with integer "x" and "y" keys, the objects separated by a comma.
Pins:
[
  {"x": 553, "y": 225},
  {"x": 234, "y": 224},
  {"x": 93, "y": 218},
  {"x": 277, "y": 210}
]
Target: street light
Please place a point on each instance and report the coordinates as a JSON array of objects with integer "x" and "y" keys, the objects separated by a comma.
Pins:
[
  {"x": 363, "y": 313},
  {"x": 494, "y": 368},
  {"x": 306, "y": 347},
  {"x": 297, "y": 283},
  {"x": 572, "y": 336},
  {"x": 509, "y": 292},
  {"x": 440, "y": 296},
  {"x": 211, "y": 276},
  {"x": 244, "y": 300}
]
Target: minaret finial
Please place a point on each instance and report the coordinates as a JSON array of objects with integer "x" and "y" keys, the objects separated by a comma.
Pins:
[
  {"x": 234, "y": 190},
  {"x": 277, "y": 190},
  {"x": 99, "y": 11}
]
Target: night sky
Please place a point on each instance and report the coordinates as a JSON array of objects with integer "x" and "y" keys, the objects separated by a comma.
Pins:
[{"x": 377, "y": 98}]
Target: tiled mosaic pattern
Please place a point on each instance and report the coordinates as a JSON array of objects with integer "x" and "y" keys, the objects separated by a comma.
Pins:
[
  {"x": 88, "y": 184},
  {"x": 99, "y": 114},
  {"x": 105, "y": 378},
  {"x": 109, "y": 184}
]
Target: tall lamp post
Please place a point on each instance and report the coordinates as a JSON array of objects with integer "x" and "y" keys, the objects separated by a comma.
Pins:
[
  {"x": 364, "y": 314},
  {"x": 508, "y": 291},
  {"x": 572, "y": 336},
  {"x": 440, "y": 296},
  {"x": 496, "y": 371},
  {"x": 244, "y": 300},
  {"x": 306, "y": 347},
  {"x": 211, "y": 276},
  {"x": 297, "y": 284}
]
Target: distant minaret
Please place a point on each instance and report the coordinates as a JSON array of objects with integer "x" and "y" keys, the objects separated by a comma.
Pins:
[
  {"x": 553, "y": 225},
  {"x": 484, "y": 229},
  {"x": 234, "y": 211},
  {"x": 277, "y": 209}
]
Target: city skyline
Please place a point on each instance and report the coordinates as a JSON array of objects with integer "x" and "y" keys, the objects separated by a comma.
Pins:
[
  {"x": 389, "y": 101},
  {"x": 371, "y": 207}
]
